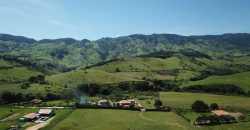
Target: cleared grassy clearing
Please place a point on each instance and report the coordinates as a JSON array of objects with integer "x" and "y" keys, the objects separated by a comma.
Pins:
[
  {"x": 17, "y": 74},
  {"x": 141, "y": 75},
  {"x": 121, "y": 120},
  {"x": 185, "y": 100},
  {"x": 142, "y": 64},
  {"x": 240, "y": 79},
  {"x": 90, "y": 76}
]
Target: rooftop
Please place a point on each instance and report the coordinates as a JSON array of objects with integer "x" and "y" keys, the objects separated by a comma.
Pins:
[
  {"x": 220, "y": 113},
  {"x": 45, "y": 111},
  {"x": 31, "y": 115}
]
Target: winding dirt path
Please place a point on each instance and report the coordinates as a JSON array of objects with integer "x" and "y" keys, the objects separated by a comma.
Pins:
[{"x": 10, "y": 117}]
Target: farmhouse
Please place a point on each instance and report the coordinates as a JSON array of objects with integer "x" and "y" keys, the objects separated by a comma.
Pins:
[
  {"x": 128, "y": 103},
  {"x": 220, "y": 113},
  {"x": 103, "y": 103},
  {"x": 46, "y": 112},
  {"x": 29, "y": 117}
]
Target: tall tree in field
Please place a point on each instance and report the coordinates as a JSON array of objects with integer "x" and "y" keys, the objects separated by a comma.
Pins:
[{"x": 68, "y": 95}]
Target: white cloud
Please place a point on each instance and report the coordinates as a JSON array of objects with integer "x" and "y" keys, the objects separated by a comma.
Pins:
[{"x": 61, "y": 23}]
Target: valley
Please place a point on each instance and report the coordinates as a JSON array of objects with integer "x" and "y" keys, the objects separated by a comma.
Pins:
[{"x": 72, "y": 76}]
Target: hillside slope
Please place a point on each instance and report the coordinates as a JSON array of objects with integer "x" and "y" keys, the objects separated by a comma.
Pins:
[
  {"x": 239, "y": 79},
  {"x": 76, "y": 77},
  {"x": 74, "y": 53}
]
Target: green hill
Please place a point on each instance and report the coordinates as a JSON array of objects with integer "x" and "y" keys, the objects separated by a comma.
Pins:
[
  {"x": 174, "y": 67},
  {"x": 80, "y": 76},
  {"x": 185, "y": 100},
  {"x": 14, "y": 72},
  {"x": 73, "y": 53},
  {"x": 142, "y": 64},
  {"x": 239, "y": 79}
]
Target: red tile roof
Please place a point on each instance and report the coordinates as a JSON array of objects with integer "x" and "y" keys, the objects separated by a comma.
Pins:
[
  {"x": 220, "y": 113},
  {"x": 31, "y": 115},
  {"x": 129, "y": 101}
]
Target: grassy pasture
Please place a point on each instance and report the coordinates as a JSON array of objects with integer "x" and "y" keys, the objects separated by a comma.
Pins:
[
  {"x": 185, "y": 100},
  {"x": 142, "y": 64},
  {"x": 90, "y": 76},
  {"x": 242, "y": 60},
  {"x": 240, "y": 79},
  {"x": 4, "y": 63},
  {"x": 6, "y": 111},
  {"x": 141, "y": 75},
  {"x": 19, "y": 112},
  {"x": 17, "y": 74},
  {"x": 95, "y": 119}
]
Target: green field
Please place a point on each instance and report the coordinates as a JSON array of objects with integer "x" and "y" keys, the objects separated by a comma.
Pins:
[
  {"x": 142, "y": 64},
  {"x": 240, "y": 79},
  {"x": 185, "y": 100},
  {"x": 4, "y": 63},
  {"x": 17, "y": 112},
  {"x": 148, "y": 75},
  {"x": 101, "y": 119},
  {"x": 242, "y": 60},
  {"x": 17, "y": 74},
  {"x": 77, "y": 77},
  {"x": 94, "y": 119},
  {"x": 61, "y": 114}
]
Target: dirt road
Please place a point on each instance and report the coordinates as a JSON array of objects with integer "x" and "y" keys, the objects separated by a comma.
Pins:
[
  {"x": 10, "y": 117},
  {"x": 40, "y": 125}
]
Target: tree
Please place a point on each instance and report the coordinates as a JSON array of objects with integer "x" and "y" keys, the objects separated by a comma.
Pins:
[
  {"x": 199, "y": 106},
  {"x": 158, "y": 103},
  {"x": 104, "y": 91},
  {"x": 68, "y": 95},
  {"x": 7, "y": 97},
  {"x": 214, "y": 106},
  {"x": 40, "y": 78},
  {"x": 117, "y": 70}
]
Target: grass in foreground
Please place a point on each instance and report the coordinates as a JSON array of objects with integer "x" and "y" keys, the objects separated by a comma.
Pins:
[
  {"x": 60, "y": 115},
  {"x": 6, "y": 112},
  {"x": 97, "y": 119}
]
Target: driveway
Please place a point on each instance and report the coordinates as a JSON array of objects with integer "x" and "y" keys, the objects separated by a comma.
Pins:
[{"x": 40, "y": 125}]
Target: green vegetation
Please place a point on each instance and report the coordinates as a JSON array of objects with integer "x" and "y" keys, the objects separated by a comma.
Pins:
[
  {"x": 77, "y": 77},
  {"x": 240, "y": 79},
  {"x": 95, "y": 119},
  {"x": 17, "y": 74},
  {"x": 16, "y": 113},
  {"x": 61, "y": 114},
  {"x": 101, "y": 69},
  {"x": 70, "y": 52},
  {"x": 142, "y": 64},
  {"x": 185, "y": 100}
]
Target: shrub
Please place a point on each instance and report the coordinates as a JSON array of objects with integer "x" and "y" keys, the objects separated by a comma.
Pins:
[
  {"x": 117, "y": 70},
  {"x": 214, "y": 106},
  {"x": 199, "y": 106},
  {"x": 158, "y": 103}
]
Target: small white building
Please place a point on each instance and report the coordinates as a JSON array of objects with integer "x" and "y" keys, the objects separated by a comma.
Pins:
[{"x": 103, "y": 103}]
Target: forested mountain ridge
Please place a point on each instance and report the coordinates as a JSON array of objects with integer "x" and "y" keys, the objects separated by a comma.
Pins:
[{"x": 73, "y": 53}]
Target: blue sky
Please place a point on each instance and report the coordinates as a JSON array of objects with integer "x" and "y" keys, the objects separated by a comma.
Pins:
[{"x": 94, "y": 19}]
